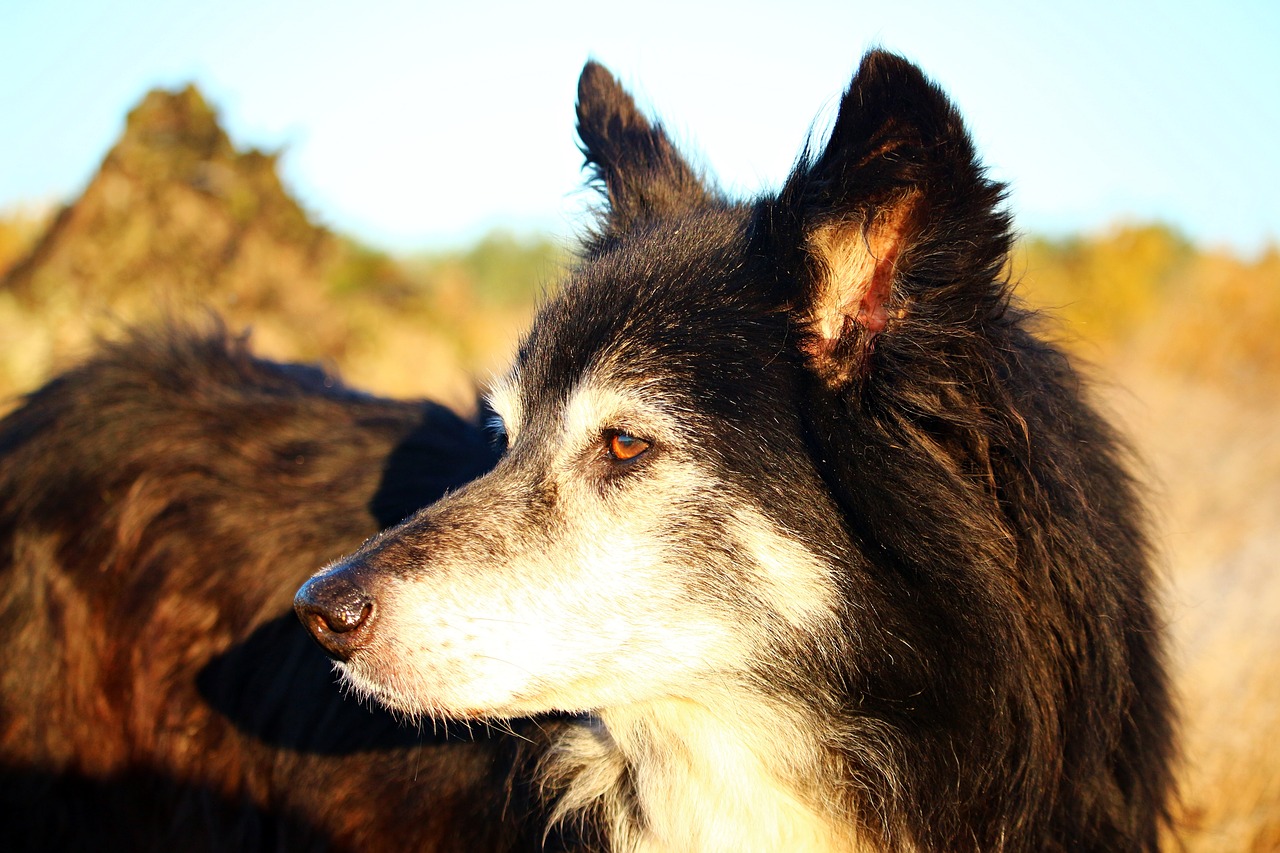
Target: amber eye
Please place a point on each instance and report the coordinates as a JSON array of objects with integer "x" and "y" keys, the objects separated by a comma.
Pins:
[{"x": 624, "y": 446}]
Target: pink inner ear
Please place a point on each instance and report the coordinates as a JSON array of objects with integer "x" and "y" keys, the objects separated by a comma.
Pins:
[
  {"x": 853, "y": 296},
  {"x": 882, "y": 241},
  {"x": 873, "y": 308}
]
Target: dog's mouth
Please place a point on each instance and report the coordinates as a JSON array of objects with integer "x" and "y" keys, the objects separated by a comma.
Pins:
[
  {"x": 411, "y": 706},
  {"x": 437, "y": 692}
]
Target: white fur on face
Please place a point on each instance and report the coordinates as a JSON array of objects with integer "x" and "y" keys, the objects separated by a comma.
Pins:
[
  {"x": 607, "y": 601},
  {"x": 793, "y": 581}
]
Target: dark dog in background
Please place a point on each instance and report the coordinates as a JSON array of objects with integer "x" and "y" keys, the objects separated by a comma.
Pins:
[
  {"x": 824, "y": 541},
  {"x": 158, "y": 508}
]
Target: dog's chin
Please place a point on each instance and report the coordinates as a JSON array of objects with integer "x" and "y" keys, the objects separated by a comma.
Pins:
[{"x": 416, "y": 701}]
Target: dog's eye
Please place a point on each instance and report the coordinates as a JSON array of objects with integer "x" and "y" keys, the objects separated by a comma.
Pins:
[{"x": 624, "y": 446}]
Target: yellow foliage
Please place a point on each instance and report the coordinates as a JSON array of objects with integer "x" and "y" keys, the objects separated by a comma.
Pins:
[
  {"x": 1144, "y": 292},
  {"x": 1103, "y": 288},
  {"x": 19, "y": 230},
  {"x": 1225, "y": 325}
]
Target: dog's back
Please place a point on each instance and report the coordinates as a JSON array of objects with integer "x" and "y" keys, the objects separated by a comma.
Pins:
[{"x": 158, "y": 507}]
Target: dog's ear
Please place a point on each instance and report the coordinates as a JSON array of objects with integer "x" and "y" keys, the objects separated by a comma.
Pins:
[
  {"x": 638, "y": 171},
  {"x": 893, "y": 218}
]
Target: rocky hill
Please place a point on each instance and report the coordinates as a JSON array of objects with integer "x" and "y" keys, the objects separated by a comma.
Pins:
[
  {"x": 178, "y": 222},
  {"x": 176, "y": 210}
]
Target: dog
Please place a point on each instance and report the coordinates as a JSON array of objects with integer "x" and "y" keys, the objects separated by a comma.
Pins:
[
  {"x": 815, "y": 540},
  {"x": 159, "y": 506}
]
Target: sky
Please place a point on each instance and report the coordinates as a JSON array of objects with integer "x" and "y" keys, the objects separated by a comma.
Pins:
[{"x": 413, "y": 125}]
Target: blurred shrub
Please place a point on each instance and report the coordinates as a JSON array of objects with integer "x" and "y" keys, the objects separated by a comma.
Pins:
[
  {"x": 499, "y": 271},
  {"x": 360, "y": 269},
  {"x": 1104, "y": 288},
  {"x": 1224, "y": 325},
  {"x": 1144, "y": 293},
  {"x": 19, "y": 230}
]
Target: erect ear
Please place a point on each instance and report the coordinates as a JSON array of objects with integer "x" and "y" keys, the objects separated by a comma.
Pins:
[
  {"x": 638, "y": 171},
  {"x": 894, "y": 214}
]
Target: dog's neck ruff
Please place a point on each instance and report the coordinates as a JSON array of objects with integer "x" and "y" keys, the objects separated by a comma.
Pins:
[{"x": 675, "y": 775}]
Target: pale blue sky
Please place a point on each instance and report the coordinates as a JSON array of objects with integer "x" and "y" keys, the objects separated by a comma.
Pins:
[{"x": 416, "y": 124}]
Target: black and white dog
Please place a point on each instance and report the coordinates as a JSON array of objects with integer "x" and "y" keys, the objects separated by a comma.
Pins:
[{"x": 815, "y": 540}]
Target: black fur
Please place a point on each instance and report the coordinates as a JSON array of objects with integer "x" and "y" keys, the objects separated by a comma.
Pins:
[
  {"x": 634, "y": 165},
  {"x": 1014, "y": 656}
]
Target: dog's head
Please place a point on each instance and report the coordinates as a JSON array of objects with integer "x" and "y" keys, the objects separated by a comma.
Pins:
[{"x": 673, "y": 515}]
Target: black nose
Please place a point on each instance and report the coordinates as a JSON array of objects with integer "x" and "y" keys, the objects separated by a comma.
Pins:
[{"x": 337, "y": 612}]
